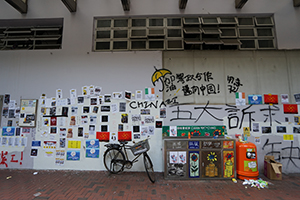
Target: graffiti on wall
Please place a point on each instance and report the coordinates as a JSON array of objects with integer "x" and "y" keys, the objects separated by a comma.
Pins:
[
  {"x": 200, "y": 83},
  {"x": 6, "y": 159}
]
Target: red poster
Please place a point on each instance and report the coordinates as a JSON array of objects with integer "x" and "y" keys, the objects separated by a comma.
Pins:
[
  {"x": 102, "y": 136},
  {"x": 271, "y": 98},
  {"x": 124, "y": 135},
  {"x": 290, "y": 108}
]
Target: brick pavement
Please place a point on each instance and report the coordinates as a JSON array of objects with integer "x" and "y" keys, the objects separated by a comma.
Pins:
[{"x": 81, "y": 185}]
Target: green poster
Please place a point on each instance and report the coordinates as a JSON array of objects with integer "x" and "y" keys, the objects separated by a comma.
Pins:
[{"x": 195, "y": 131}]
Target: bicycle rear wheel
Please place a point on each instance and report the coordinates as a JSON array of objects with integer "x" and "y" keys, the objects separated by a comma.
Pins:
[
  {"x": 114, "y": 160},
  {"x": 149, "y": 168}
]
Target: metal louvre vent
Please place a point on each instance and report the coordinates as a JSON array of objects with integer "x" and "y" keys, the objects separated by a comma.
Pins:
[
  {"x": 30, "y": 36},
  {"x": 185, "y": 33}
]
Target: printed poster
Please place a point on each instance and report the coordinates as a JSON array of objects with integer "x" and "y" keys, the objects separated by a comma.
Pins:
[
  {"x": 73, "y": 155},
  {"x": 8, "y": 131},
  {"x": 92, "y": 153}
]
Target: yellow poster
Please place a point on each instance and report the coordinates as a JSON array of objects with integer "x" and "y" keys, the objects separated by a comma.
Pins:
[
  {"x": 287, "y": 137},
  {"x": 246, "y": 131},
  {"x": 74, "y": 144}
]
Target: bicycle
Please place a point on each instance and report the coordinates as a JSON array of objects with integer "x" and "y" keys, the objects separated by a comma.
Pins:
[{"x": 116, "y": 158}]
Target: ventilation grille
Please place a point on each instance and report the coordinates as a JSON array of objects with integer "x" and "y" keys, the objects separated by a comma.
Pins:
[
  {"x": 30, "y": 38},
  {"x": 185, "y": 33}
]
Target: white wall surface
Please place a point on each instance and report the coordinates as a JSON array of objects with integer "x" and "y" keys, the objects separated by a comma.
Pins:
[{"x": 78, "y": 27}]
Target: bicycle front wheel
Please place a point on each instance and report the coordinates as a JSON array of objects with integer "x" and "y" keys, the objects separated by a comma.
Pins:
[
  {"x": 114, "y": 160},
  {"x": 149, "y": 168}
]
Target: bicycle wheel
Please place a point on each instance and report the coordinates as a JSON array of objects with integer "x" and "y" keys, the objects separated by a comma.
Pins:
[
  {"x": 149, "y": 168},
  {"x": 114, "y": 160}
]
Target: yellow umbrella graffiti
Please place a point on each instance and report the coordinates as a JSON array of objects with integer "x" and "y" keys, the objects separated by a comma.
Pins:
[{"x": 159, "y": 74}]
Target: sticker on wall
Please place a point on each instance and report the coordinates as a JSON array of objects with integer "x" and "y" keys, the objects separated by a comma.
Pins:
[
  {"x": 33, "y": 152},
  {"x": 151, "y": 130},
  {"x": 94, "y": 101},
  {"x": 182, "y": 157},
  {"x": 297, "y": 98},
  {"x": 49, "y": 144},
  {"x": 92, "y": 153},
  {"x": 271, "y": 98},
  {"x": 240, "y": 99},
  {"x": 36, "y": 144},
  {"x": 149, "y": 94},
  {"x": 114, "y": 108},
  {"x": 107, "y": 98},
  {"x": 85, "y": 91},
  {"x": 80, "y": 100},
  {"x": 255, "y": 99},
  {"x": 284, "y": 98},
  {"x": 173, "y": 131},
  {"x": 73, "y": 155},
  {"x": 138, "y": 94},
  {"x": 193, "y": 144},
  {"x": 144, "y": 130},
  {"x": 290, "y": 108},
  {"x": 173, "y": 157},
  {"x": 288, "y": 137},
  {"x": 98, "y": 90},
  {"x": 194, "y": 164},
  {"x": 128, "y": 95},
  {"x": 113, "y": 137},
  {"x": 62, "y": 142},
  {"x": 73, "y": 93},
  {"x": 117, "y": 95},
  {"x": 74, "y": 144},
  {"x": 124, "y": 118},
  {"x": 6, "y": 99},
  {"x": 49, "y": 153},
  {"x": 59, "y": 94},
  {"x": 103, "y": 136},
  {"x": 8, "y": 131}
]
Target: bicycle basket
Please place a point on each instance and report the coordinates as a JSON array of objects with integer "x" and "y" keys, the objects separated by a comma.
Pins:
[{"x": 140, "y": 147}]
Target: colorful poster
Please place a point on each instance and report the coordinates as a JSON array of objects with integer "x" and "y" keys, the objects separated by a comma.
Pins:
[
  {"x": 271, "y": 98},
  {"x": 8, "y": 131},
  {"x": 73, "y": 155},
  {"x": 49, "y": 144},
  {"x": 194, "y": 131},
  {"x": 194, "y": 145},
  {"x": 173, "y": 157},
  {"x": 92, "y": 143},
  {"x": 240, "y": 99},
  {"x": 194, "y": 164},
  {"x": 182, "y": 157},
  {"x": 228, "y": 164},
  {"x": 74, "y": 144},
  {"x": 290, "y": 108},
  {"x": 92, "y": 153},
  {"x": 255, "y": 99}
]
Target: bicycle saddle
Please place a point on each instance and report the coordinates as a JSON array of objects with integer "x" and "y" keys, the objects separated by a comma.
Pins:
[{"x": 123, "y": 142}]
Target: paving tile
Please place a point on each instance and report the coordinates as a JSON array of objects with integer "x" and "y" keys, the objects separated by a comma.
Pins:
[{"x": 89, "y": 185}]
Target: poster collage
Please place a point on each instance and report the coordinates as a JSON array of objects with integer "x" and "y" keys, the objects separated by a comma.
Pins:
[{"x": 65, "y": 127}]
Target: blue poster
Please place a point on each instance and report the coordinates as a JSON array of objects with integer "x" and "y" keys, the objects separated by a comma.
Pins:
[
  {"x": 93, "y": 143},
  {"x": 255, "y": 99},
  {"x": 73, "y": 155},
  {"x": 193, "y": 144},
  {"x": 36, "y": 143},
  {"x": 92, "y": 153},
  {"x": 8, "y": 131}
]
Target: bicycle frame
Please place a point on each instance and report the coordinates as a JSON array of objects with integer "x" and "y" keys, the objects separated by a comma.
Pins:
[{"x": 124, "y": 149}]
